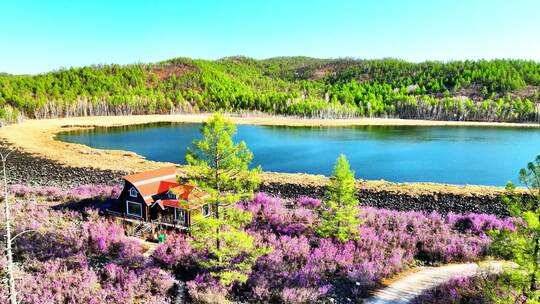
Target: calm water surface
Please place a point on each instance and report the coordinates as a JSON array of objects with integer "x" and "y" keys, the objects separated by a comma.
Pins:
[{"x": 456, "y": 155}]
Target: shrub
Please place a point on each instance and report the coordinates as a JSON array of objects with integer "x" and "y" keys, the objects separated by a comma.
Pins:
[
  {"x": 81, "y": 257},
  {"x": 207, "y": 290},
  {"x": 308, "y": 202},
  {"x": 270, "y": 213},
  {"x": 58, "y": 194},
  {"x": 71, "y": 258},
  {"x": 175, "y": 252},
  {"x": 389, "y": 241}
]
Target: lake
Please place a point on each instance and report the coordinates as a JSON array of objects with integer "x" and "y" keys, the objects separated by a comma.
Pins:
[{"x": 455, "y": 155}]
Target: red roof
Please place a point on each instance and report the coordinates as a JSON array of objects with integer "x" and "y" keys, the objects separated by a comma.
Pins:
[
  {"x": 165, "y": 186},
  {"x": 182, "y": 204},
  {"x": 188, "y": 196},
  {"x": 153, "y": 182}
]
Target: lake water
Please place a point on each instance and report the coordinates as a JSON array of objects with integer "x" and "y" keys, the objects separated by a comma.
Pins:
[{"x": 455, "y": 155}]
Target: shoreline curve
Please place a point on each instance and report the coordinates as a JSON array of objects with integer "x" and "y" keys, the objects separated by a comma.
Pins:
[{"x": 38, "y": 137}]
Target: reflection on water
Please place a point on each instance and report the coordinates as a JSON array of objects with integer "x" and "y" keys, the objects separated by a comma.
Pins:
[{"x": 458, "y": 155}]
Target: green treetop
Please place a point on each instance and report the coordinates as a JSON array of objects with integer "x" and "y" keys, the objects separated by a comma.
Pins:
[
  {"x": 522, "y": 246},
  {"x": 340, "y": 218},
  {"x": 220, "y": 166}
]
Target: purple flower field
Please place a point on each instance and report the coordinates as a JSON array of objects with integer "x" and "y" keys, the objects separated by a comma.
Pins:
[
  {"x": 77, "y": 193},
  {"x": 303, "y": 268},
  {"x": 83, "y": 258}
]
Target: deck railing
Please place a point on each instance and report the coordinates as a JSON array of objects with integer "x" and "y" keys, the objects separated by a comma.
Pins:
[{"x": 164, "y": 221}]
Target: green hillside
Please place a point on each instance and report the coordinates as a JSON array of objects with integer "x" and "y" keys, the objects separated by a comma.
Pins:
[{"x": 497, "y": 90}]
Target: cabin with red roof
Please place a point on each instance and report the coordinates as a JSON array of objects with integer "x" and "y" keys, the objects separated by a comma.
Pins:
[{"x": 156, "y": 195}]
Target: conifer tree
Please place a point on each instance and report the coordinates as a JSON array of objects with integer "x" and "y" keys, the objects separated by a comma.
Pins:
[
  {"x": 221, "y": 167},
  {"x": 340, "y": 217},
  {"x": 522, "y": 246},
  {"x": 232, "y": 261}
]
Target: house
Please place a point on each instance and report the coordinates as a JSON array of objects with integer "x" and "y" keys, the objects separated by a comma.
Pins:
[{"x": 157, "y": 196}]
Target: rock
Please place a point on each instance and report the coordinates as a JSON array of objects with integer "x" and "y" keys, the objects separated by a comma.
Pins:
[
  {"x": 25, "y": 168},
  {"x": 441, "y": 202}
]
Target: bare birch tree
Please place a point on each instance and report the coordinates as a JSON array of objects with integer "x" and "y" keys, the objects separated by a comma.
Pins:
[{"x": 9, "y": 240}]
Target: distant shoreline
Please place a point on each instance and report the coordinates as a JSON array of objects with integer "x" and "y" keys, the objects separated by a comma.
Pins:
[{"x": 38, "y": 138}]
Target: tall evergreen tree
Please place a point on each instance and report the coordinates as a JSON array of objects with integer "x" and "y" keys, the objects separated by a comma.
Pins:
[
  {"x": 221, "y": 167},
  {"x": 340, "y": 217}
]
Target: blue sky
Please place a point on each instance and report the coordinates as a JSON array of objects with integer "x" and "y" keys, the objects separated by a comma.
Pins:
[{"x": 39, "y": 36}]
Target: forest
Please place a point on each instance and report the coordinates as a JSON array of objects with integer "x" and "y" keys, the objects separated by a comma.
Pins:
[{"x": 496, "y": 90}]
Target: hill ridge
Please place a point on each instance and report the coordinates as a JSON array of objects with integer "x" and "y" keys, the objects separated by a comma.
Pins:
[{"x": 483, "y": 90}]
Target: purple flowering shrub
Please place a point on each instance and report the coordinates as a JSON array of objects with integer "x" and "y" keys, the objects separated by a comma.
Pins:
[
  {"x": 482, "y": 289},
  {"x": 427, "y": 237},
  {"x": 69, "y": 257},
  {"x": 452, "y": 291},
  {"x": 465, "y": 289},
  {"x": 175, "y": 252},
  {"x": 206, "y": 289},
  {"x": 479, "y": 223},
  {"x": 269, "y": 213},
  {"x": 303, "y": 266},
  {"x": 58, "y": 194},
  {"x": 58, "y": 281},
  {"x": 80, "y": 257},
  {"x": 308, "y": 202}
]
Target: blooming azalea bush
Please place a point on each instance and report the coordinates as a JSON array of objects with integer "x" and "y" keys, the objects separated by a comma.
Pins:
[
  {"x": 82, "y": 257},
  {"x": 459, "y": 289},
  {"x": 176, "y": 252},
  {"x": 302, "y": 263},
  {"x": 269, "y": 213},
  {"x": 69, "y": 257},
  {"x": 206, "y": 289},
  {"x": 58, "y": 281},
  {"x": 308, "y": 202},
  {"x": 304, "y": 268},
  {"x": 482, "y": 289},
  {"x": 58, "y": 194}
]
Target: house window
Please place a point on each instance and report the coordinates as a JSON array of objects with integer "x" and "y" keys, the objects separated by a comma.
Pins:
[
  {"x": 180, "y": 215},
  {"x": 133, "y": 208},
  {"x": 133, "y": 192},
  {"x": 171, "y": 195},
  {"x": 206, "y": 210}
]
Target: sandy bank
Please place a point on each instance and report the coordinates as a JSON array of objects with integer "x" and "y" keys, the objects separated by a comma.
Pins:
[{"x": 37, "y": 138}]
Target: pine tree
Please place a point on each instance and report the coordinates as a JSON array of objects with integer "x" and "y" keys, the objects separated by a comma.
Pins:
[
  {"x": 221, "y": 167},
  {"x": 233, "y": 260},
  {"x": 340, "y": 217}
]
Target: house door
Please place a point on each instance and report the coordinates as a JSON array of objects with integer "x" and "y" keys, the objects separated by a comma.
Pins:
[{"x": 180, "y": 216}]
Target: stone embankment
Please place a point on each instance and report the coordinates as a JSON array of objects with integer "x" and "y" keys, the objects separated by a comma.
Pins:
[
  {"x": 424, "y": 197},
  {"x": 25, "y": 168}
]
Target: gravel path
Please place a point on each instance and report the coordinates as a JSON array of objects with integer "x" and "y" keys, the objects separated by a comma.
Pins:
[{"x": 408, "y": 287}]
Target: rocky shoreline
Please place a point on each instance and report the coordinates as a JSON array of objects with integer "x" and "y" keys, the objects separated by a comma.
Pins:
[
  {"x": 28, "y": 169},
  {"x": 25, "y": 168},
  {"x": 426, "y": 202}
]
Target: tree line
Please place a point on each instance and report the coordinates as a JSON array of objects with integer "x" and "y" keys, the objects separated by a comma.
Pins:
[{"x": 496, "y": 90}]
